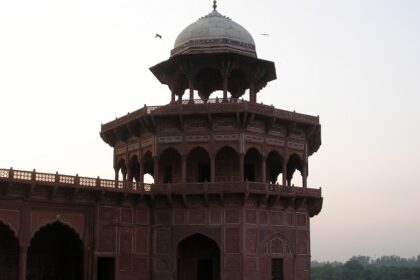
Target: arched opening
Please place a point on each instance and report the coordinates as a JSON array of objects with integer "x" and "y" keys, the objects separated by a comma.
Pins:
[
  {"x": 207, "y": 81},
  {"x": 274, "y": 165},
  {"x": 134, "y": 169},
  {"x": 170, "y": 165},
  {"x": 294, "y": 163},
  {"x": 198, "y": 165},
  {"x": 227, "y": 165},
  {"x": 55, "y": 252},
  {"x": 148, "y": 168},
  {"x": 9, "y": 253},
  {"x": 238, "y": 84},
  {"x": 198, "y": 259},
  {"x": 121, "y": 168},
  {"x": 252, "y": 165}
]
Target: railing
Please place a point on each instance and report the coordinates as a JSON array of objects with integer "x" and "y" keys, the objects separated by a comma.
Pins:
[
  {"x": 34, "y": 177},
  {"x": 216, "y": 105}
]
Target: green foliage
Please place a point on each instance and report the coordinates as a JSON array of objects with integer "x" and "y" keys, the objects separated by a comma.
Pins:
[{"x": 365, "y": 268}]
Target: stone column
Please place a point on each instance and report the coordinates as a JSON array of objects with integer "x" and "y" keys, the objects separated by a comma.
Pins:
[
  {"x": 252, "y": 94},
  {"x": 263, "y": 170},
  {"x": 305, "y": 175},
  {"x": 117, "y": 175},
  {"x": 225, "y": 87},
  {"x": 213, "y": 168},
  {"x": 172, "y": 96},
  {"x": 284, "y": 183},
  {"x": 191, "y": 90},
  {"x": 241, "y": 167},
  {"x": 22, "y": 262},
  {"x": 184, "y": 169},
  {"x": 141, "y": 172},
  {"x": 156, "y": 168}
]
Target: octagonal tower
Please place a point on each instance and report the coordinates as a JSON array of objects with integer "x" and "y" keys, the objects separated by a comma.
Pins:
[{"x": 223, "y": 204}]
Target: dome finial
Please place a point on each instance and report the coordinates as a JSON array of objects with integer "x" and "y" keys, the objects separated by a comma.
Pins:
[{"x": 214, "y": 5}]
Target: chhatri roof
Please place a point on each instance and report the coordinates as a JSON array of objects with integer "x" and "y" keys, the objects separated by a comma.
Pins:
[{"x": 214, "y": 33}]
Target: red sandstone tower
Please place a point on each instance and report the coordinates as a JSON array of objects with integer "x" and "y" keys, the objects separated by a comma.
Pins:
[{"x": 221, "y": 206}]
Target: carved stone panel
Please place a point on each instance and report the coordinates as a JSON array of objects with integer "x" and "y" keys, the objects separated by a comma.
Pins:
[
  {"x": 162, "y": 216},
  {"x": 232, "y": 216},
  {"x": 127, "y": 215},
  {"x": 301, "y": 219},
  {"x": 250, "y": 216},
  {"x": 141, "y": 216},
  {"x": 251, "y": 240},
  {"x": 215, "y": 216},
  {"x": 126, "y": 240},
  {"x": 198, "y": 217},
  {"x": 263, "y": 217},
  {"x": 107, "y": 236},
  {"x": 232, "y": 240},
  {"x": 276, "y": 218},
  {"x": 108, "y": 215},
  {"x": 180, "y": 216},
  {"x": 141, "y": 240},
  {"x": 163, "y": 240}
]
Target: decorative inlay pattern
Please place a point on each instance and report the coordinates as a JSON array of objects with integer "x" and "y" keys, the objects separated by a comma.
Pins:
[
  {"x": 226, "y": 137},
  {"x": 254, "y": 139},
  {"x": 133, "y": 147},
  {"x": 197, "y": 138},
  {"x": 274, "y": 142},
  {"x": 120, "y": 150},
  {"x": 297, "y": 146},
  {"x": 170, "y": 139},
  {"x": 147, "y": 142}
]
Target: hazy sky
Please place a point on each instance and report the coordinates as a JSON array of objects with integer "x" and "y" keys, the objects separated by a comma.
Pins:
[{"x": 66, "y": 66}]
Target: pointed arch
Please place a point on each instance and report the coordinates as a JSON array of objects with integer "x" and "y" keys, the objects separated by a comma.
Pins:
[
  {"x": 134, "y": 168},
  {"x": 227, "y": 165},
  {"x": 198, "y": 165},
  {"x": 277, "y": 243},
  {"x": 55, "y": 252},
  {"x": 121, "y": 168},
  {"x": 9, "y": 252},
  {"x": 252, "y": 165},
  {"x": 274, "y": 167},
  {"x": 294, "y": 163},
  {"x": 198, "y": 257},
  {"x": 148, "y": 168},
  {"x": 170, "y": 164}
]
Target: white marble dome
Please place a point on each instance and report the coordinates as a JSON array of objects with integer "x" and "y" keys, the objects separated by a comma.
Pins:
[{"x": 215, "y": 29}]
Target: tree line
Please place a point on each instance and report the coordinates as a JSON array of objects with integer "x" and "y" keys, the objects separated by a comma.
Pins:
[{"x": 366, "y": 268}]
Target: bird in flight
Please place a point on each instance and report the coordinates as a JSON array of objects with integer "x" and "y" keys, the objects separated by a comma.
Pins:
[
  {"x": 265, "y": 34},
  {"x": 158, "y": 36}
]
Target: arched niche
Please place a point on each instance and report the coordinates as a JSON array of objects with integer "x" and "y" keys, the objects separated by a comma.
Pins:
[
  {"x": 206, "y": 81},
  {"x": 294, "y": 163},
  {"x": 252, "y": 165},
  {"x": 170, "y": 164},
  {"x": 9, "y": 253},
  {"x": 134, "y": 168},
  {"x": 237, "y": 83},
  {"x": 198, "y": 165},
  {"x": 148, "y": 168},
  {"x": 274, "y": 167},
  {"x": 121, "y": 169},
  {"x": 198, "y": 257},
  {"x": 55, "y": 252},
  {"x": 227, "y": 165}
]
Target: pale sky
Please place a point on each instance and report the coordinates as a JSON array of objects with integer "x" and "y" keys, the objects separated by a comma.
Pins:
[{"x": 66, "y": 66}]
